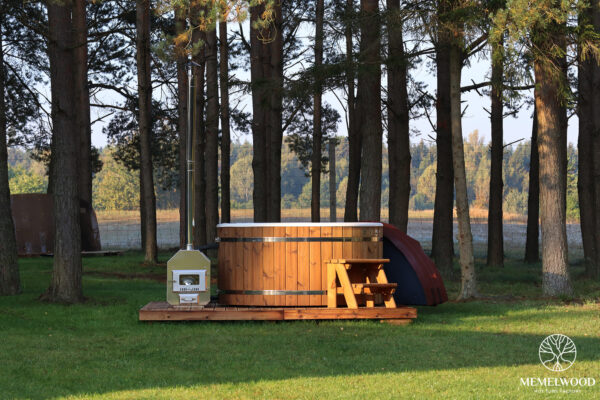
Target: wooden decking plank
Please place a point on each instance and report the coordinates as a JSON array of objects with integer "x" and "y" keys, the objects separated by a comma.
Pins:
[
  {"x": 162, "y": 311},
  {"x": 350, "y": 313}
]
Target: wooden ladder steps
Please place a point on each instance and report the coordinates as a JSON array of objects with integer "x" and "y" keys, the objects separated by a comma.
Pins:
[{"x": 371, "y": 288}]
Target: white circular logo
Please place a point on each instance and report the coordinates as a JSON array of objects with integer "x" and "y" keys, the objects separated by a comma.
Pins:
[{"x": 557, "y": 352}]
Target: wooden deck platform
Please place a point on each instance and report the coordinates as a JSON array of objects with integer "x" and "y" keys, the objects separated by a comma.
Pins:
[{"x": 163, "y": 311}]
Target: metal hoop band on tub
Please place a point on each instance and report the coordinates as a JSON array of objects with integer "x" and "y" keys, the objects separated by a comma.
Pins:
[
  {"x": 274, "y": 292},
  {"x": 303, "y": 239}
]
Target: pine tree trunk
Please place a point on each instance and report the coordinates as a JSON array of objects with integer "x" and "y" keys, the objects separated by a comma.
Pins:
[
  {"x": 182, "y": 109},
  {"x": 556, "y": 280},
  {"x": 468, "y": 287},
  {"x": 595, "y": 269},
  {"x": 442, "y": 245},
  {"x": 10, "y": 281},
  {"x": 532, "y": 244},
  {"x": 315, "y": 172},
  {"x": 495, "y": 252},
  {"x": 145, "y": 126},
  {"x": 212, "y": 136},
  {"x": 275, "y": 117},
  {"x": 354, "y": 137},
  {"x": 332, "y": 182},
  {"x": 369, "y": 98},
  {"x": 398, "y": 121},
  {"x": 82, "y": 101},
  {"x": 585, "y": 178},
  {"x": 225, "y": 130},
  {"x": 199, "y": 143},
  {"x": 65, "y": 286},
  {"x": 259, "y": 114}
]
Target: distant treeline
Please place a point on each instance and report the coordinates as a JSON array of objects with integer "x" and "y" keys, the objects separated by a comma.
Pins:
[{"x": 116, "y": 187}]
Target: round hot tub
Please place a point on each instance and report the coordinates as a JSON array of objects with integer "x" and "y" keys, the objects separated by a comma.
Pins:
[{"x": 283, "y": 264}]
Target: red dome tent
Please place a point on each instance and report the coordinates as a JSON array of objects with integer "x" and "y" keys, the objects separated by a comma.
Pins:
[{"x": 419, "y": 281}]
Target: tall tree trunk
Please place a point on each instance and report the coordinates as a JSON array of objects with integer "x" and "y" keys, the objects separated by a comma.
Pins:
[
  {"x": 266, "y": 70},
  {"x": 468, "y": 279},
  {"x": 354, "y": 135},
  {"x": 315, "y": 172},
  {"x": 225, "y": 130},
  {"x": 199, "y": 142},
  {"x": 532, "y": 244},
  {"x": 275, "y": 117},
  {"x": 556, "y": 280},
  {"x": 10, "y": 281},
  {"x": 332, "y": 182},
  {"x": 442, "y": 245},
  {"x": 585, "y": 179},
  {"x": 145, "y": 126},
  {"x": 182, "y": 109},
  {"x": 259, "y": 114},
  {"x": 66, "y": 274},
  {"x": 595, "y": 270},
  {"x": 398, "y": 121},
  {"x": 495, "y": 253},
  {"x": 212, "y": 136},
  {"x": 82, "y": 101},
  {"x": 369, "y": 98}
]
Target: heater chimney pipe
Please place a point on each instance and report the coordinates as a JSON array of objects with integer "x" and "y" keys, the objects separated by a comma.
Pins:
[{"x": 190, "y": 161}]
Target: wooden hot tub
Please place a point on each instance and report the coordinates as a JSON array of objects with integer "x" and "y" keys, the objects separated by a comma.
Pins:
[{"x": 282, "y": 264}]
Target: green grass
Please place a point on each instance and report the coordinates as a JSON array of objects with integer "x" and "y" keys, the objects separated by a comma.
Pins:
[{"x": 99, "y": 350}]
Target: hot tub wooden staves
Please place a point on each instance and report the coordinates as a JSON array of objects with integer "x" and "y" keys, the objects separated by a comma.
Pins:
[{"x": 283, "y": 264}]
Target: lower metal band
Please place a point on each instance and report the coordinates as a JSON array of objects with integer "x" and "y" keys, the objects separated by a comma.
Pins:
[
  {"x": 274, "y": 292},
  {"x": 303, "y": 239}
]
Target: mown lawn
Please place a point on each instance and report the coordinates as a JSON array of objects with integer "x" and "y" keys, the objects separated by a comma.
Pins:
[{"x": 99, "y": 350}]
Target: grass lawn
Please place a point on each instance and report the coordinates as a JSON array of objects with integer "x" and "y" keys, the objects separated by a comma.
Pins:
[{"x": 99, "y": 350}]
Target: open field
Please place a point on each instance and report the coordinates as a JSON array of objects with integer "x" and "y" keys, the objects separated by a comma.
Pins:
[
  {"x": 99, "y": 350},
  {"x": 121, "y": 229}
]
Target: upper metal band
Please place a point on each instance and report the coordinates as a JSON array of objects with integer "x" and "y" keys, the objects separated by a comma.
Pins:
[
  {"x": 274, "y": 292},
  {"x": 303, "y": 239}
]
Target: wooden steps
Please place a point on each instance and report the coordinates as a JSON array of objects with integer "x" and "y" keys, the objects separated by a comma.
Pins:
[
  {"x": 367, "y": 279},
  {"x": 163, "y": 311}
]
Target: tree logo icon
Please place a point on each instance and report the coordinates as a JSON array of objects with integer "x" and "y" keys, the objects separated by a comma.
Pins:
[{"x": 557, "y": 352}]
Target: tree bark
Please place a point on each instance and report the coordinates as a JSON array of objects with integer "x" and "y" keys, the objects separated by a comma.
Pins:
[
  {"x": 332, "y": 182},
  {"x": 199, "y": 141},
  {"x": 468, "y": 287},
  {"x": 585, "y": 179},
  {"x": 495, "y": 252},
  {"x": 532, "y": 244},
  {"x": 369, "y": 99},
  {"x": 82, "y": 101},
  {"x": 259, "y": 113},
  {"x": 10, "y": 281},
  {"x": 212, "y": 136},
  {"x": 182, "y": 109},
  {"x": 266, "y": 71},
  {"x": 398, "y": 121},
  {"x": 315, "y": 172},
  {"x": 65, "y": 286},
  {"x": 556, "y": 280},
  {"x": 275, "y": 117},
  {"x": 595, "y": 269},
  {"x": 442, "y": 245},
  {"x": 145, "y": 127},
  {"x": 354, "y": 134},
  {"x": 225, "y": 130}
]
